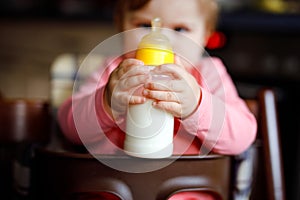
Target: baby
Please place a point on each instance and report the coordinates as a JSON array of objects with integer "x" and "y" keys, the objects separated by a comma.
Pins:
[{"x": 201, "y": 95}]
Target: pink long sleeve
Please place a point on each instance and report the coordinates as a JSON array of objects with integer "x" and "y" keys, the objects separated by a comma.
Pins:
[
  {"x": 83, "y": 119},
  {"x": 222, "y": 121}
]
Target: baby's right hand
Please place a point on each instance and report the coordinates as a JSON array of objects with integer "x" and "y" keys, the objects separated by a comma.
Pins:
[{"x": 123, "y": 82}]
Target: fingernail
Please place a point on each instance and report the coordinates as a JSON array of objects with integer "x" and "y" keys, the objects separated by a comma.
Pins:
[
  {"x": 145, "y": 92},
  {"x": 140, "y": 62},
  {"x": 154, "y": 103}
]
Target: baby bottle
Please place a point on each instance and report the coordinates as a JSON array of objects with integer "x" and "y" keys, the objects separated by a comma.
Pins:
[{"x": 149, "y": 131}]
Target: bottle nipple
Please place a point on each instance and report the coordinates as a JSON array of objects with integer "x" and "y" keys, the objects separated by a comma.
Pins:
[
  {"x": 155, "y": 39},
  {"x": 155, "y": 47},
  {"x": 156, "y": 24}
]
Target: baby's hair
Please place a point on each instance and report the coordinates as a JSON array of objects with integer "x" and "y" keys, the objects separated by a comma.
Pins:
[{"x": 209, "y": 7}]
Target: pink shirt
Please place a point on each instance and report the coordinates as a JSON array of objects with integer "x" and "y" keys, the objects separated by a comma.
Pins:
[{"x": 221, "y": 123}]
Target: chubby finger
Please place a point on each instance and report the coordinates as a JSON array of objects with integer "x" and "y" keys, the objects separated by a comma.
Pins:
[
  {"x": 136, "y": 99},
  {"x": 173, "y": 108},
  {"x": 136, "y": 70},
  {"x": 183, "y": 63},
  {"x": 122, "y": 99},
  {"x": 130, "y": 62},
  {"x": 178, "y": 61},
  {"x": 132, "y": 82},
  {"x": 127, "y": 64},
  {"x": 161, "y": 95},
  {"x": 172, "y": 85},
  {"x": 172, "y": 70}
]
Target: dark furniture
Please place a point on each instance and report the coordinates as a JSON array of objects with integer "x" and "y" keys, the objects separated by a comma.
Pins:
[
  {"x": 70, "y": 175},
  {"x": 24, "y": 124}
]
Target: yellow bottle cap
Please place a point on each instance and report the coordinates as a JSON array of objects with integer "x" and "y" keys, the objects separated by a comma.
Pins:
[{"x": 155, "y": 47}]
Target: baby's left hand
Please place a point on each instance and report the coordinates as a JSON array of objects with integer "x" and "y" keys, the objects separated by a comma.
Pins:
[{"x": 179, "y": 95}]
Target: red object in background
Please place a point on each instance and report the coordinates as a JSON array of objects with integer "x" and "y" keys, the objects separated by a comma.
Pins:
[{"x": 217, "y": 40}]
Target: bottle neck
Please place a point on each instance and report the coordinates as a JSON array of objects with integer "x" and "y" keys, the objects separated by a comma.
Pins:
[{"x": 154, "y": 57}]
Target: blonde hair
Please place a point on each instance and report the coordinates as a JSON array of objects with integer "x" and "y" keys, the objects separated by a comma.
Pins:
[{"x": 210, "y": 9}]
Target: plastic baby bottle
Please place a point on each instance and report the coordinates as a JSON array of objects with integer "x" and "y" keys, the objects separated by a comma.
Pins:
[{"x": 149, "y": 131}]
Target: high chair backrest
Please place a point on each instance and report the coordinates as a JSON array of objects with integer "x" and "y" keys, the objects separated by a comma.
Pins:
[
  {"x": 70, "y": 175},
  {"x": 23, "y": 120}
]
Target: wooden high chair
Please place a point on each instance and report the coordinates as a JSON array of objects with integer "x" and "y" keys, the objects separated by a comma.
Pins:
[
  {"x": 71, "y": 175},
  {"x": 268, "y": 169},
  {"x": 24, "y": 119}
]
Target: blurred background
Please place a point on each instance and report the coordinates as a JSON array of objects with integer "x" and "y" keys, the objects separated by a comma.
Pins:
[{"x": 258, "y": 40}]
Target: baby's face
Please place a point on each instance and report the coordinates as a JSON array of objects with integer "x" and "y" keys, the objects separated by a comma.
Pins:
[{"x": 184, "y": 17}]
